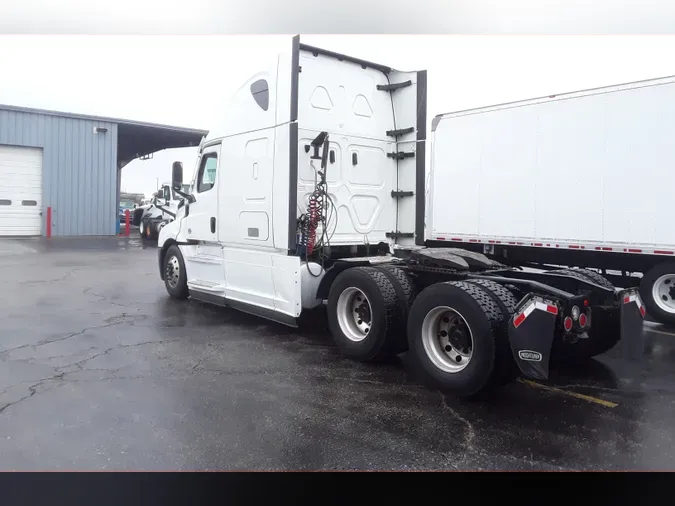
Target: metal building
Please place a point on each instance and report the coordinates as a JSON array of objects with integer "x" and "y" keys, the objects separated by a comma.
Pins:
[{"x": 70, "y": 164}]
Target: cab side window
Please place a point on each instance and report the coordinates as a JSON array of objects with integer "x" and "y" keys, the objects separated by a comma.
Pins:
[{"x": 207, "y": 172}]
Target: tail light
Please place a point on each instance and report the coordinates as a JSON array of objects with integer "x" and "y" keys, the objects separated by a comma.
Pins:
[
  {"x": 568, "y": 323},
  {"x": 583, "y": 320}
]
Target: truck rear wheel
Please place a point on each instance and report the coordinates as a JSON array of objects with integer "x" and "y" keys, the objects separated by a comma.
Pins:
[
  {"x": 405, "y": 295},
  {"x": 604, "y": 334},
  {"x": 605, "y": 331},
  {"x": 587, "y": 275},
  {"x": 451, "y": 335},
  {"x": 364, "y": 314},
  {"x": 657, "y": 289},
  {"x": 506, "y": 369},
  {"x": 175, "y": 277}
]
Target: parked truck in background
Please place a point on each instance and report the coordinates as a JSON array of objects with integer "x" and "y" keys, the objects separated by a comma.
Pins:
[
  {"x": 311, "y": 192},
  {"x": 161, "y": 209},
  {"x": 581, "y": 179}
]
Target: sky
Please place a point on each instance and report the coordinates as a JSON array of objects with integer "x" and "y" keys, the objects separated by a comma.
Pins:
[{"x": 185, "y": 80}]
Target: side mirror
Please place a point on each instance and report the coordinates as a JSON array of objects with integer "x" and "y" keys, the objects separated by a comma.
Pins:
[{"x": 177, "y": 175}]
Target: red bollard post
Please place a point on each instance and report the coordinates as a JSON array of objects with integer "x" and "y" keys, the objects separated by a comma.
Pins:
[
  {"x": 49, "y": 222},
  {"x": 127, "y": 224}
]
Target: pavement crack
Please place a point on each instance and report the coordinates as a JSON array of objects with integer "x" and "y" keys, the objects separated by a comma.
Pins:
[
  {"x": 68, "y": 336},
  {"x": 104, "y": 298},
  {"x": 80, "y": 363},
  {"x": 470, "y": 432},
  {"x": 32, "y": 389},
  {"x": 50, "y": 281}
]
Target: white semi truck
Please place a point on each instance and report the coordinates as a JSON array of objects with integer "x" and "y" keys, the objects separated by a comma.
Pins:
[
  {"x": 312, "y": 192},
  {"x": 151, "y": 217}
]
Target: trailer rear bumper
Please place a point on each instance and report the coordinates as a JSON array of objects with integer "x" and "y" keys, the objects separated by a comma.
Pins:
[{"x": 533, "y": 328}]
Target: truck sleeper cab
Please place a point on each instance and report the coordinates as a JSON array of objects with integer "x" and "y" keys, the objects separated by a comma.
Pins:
[{"x": 311, "y": 191}]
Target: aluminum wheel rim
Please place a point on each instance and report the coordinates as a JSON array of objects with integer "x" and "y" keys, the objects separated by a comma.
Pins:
[
  {"x": 663, "y": 293},
  {"x": 354, "y": 314},
  {"x": 142, "y": 227},
  {"x": 447, "y": 339},
  {"x": 172, "y": 271}
]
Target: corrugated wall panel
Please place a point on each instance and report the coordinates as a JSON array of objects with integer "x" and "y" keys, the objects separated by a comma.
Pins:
[{"x": 79, "y": 169}]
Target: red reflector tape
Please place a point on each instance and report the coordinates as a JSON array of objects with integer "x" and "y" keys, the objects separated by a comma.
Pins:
[
  {"x": 626, "y": 299},
  {"x": 643, "y": 311},
  {"x": 440, "y": 238},
  {"x": 456, "y": 239},
  {"x": 662, "y": 252},
  {"x": 552, "y": 309},
  {"x": 519, "y": 319}
]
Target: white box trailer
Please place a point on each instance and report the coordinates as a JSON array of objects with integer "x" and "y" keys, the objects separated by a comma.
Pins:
[
  {"x": 311, "y": 192},
  {"x": 581, "y": 179}
]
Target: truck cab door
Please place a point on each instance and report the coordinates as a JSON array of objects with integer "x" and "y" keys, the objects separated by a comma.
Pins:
[{"x": 202, "y": 214}]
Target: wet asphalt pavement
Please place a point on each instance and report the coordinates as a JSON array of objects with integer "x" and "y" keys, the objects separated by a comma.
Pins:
[{"x": 99, "y": 369}]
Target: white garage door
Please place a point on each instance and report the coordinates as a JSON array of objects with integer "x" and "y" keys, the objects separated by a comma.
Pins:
[{"x": 20, "y": 191}]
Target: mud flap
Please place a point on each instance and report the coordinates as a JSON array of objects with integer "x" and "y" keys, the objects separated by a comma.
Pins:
[
  {"x": 632, "y": 315},
  {"x": 531, "y": 332}
]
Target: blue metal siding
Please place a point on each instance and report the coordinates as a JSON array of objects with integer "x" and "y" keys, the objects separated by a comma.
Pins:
[{"x": 79, "y": 169}]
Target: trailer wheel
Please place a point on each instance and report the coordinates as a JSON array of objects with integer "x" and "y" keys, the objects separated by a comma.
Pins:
[
  {"x": 657, "y": 289},
  {"x": 364, "y": 314},
  {"x": 506, "y": 369},
  {"x": 451, "y": 334},
  {"x": 141, "y": 228},
  {"x": 175, "y": 277},
  {"x": 405, "y": 295}
]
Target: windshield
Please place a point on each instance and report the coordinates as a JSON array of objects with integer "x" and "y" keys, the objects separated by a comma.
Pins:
[{"x": 126, "y": 204}]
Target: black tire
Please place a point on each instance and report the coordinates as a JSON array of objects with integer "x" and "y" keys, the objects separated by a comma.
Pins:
[
  {"x": 605, "y": 331},
  {"x": 141, "y": 228},
  {"x": 506, "y": 369},
  {"x": 138, "y": 214},
  {"x": 604, "y": 334},
  {"x": 481, "y": 314},
  {"x": 405, "y": 295},
  {"x": 145, "y": 230},
  {"x": 180, "y": 290},
  {"x": 596, "y": 277},
  {"x": 646, "y": 285},
  {"x": 586, "y": 275},
  {"x": 380, "y": 342}
]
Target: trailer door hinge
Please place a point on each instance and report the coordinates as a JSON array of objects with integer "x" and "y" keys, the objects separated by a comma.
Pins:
[
  {"x": 394, "y": 86},
  {"x": 401, "y": 131},
  {"x": 400, "y": 194},
  {"x": 400, "y": 155},
  {"x": 397, "y": 235}
]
